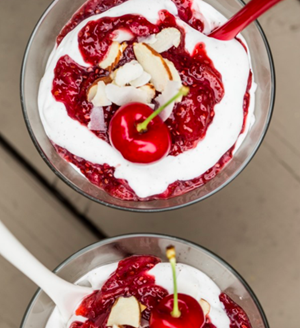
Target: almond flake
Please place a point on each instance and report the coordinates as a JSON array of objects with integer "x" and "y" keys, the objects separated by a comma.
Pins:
[
  {"x": 174, "y": 72},
  {"x": 124, "y": 95},
  {"x": 148, "y": 39},
  {"x": 97, "y": 122},
  {"x": 154, "y": 64},
  {"x": 142, "y": 307},
  {"x": 166, "y": 39},
  {"x": 175, "y": 75},
  {"x": 125, "y": 311},
  {"x": 123, "y": 46},
  {"x": 127, "y": 73},
  {"x": 205, "y": 306},
  {"x": 150, "y": 90},
  {"x": 100, "y": 98},
  {"x": 113, "y": 55},
  {"x": 142, "y": 80},
  {"x": 122, "y": 35},
  {"x": 92, "y": 90},
  {"x": 170, "y": 91}
]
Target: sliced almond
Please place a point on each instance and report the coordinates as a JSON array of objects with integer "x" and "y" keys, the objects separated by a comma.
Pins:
[
  {"x": 97, "y": 121},
  {"x": 100, "y": 99},
  {"x": 175, "y": 75},
  {"x": 174, "y": 72},
  {"x": 122, "y": 35},
  {"x": 142, "y": 307},
  {"x": 124, "y": 95},
  {"x": 92, "y": 90},
  {"x": 123, "y": 46},
  {"x": 166, "y": 39},
  {"x": 127, "y": 73},
  {"x": 113, "y": 56},
  {"x": 154, "y": 64},
  {"x": 150, "y": 90},
  {"x": 142, "y": 80},
  {"x": 172, "y": 88},
  {"x": 112, "y": 75},
  {"x": 148, "y": 39},
  {"x": 105, "y": 79},
  {"x": 125, "y": 311},
  {"x": 205, "y": 306}
]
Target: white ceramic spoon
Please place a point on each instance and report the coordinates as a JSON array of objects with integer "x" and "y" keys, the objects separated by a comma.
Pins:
[{"x": 65, "y": 295}]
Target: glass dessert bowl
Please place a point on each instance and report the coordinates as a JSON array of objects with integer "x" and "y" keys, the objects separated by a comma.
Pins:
[
  {"x": 33, "y": 70},
  {"x": 103, "y": 254}
]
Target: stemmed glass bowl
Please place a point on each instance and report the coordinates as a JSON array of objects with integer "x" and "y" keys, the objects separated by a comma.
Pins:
[{"x": 41, "y": 44}]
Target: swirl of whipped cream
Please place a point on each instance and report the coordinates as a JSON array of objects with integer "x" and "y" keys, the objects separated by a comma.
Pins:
[{"x": 229, "y": 58}]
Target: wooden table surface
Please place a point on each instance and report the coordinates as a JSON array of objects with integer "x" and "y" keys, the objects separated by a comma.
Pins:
[{"x": 254, "y": 223}]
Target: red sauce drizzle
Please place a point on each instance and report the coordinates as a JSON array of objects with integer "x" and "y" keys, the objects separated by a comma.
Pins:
[
  {"x": 190, "y": 118},
  {"x": 185, "y": 13}
]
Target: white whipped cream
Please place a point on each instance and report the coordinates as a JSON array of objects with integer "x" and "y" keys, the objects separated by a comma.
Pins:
[
  {"x": 229, "y": 58},
  {"x": 190, "y": 281}
]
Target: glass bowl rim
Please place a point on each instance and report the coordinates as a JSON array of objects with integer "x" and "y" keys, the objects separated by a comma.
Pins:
[
  {"x": 139, "y": 210},
  {"x": 155, "y": 235}
]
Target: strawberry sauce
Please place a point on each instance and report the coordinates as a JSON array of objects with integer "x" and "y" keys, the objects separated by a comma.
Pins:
[
  {"x": 132, "y": 279},
  {"x": 190, "y": 118}
]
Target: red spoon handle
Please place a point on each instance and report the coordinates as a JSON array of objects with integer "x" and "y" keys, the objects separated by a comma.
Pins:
[{"x": 243, "y": 18}]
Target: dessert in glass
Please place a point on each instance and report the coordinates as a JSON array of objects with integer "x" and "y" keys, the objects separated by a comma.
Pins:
[
  {"x": 134, "y": 269},
  {"x": 114, "y": 63}
]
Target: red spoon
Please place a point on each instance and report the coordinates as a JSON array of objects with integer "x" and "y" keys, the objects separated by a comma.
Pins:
[{"x": 242, "y": 19}]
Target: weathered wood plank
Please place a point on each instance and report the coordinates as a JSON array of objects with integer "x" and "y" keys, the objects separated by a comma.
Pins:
[
  {"x": 42, "y": 224},
  {"x": 252, "y": 223},
  {"x": 14, "y": 35}
]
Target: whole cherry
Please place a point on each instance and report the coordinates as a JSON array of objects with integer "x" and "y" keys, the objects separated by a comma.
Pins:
[
  {"x": 139, "y": 146},
  {"x": 139, "y": 134},
  {"x": 177, "y": 310}
]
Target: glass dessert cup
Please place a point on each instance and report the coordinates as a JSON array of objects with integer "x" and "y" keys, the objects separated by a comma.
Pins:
[
  {"x": 117, "y": 248},
  {"x": 41, "y": 44}
]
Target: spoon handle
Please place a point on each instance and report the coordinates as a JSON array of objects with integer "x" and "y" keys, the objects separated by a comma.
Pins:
[
  {"x": 242, "y": 19},
  {"x": 64, "y": 294}
]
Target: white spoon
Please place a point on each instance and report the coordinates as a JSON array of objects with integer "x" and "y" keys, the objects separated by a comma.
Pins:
[{"x": 65, "y": 295}]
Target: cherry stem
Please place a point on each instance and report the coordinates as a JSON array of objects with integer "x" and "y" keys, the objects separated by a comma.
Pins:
[
  {"x": 142, "y": 127},
  {"x": 171, "y": 255}
]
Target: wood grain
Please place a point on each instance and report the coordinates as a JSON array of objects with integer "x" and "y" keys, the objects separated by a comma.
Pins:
[{"x": 44, "y": 227}]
